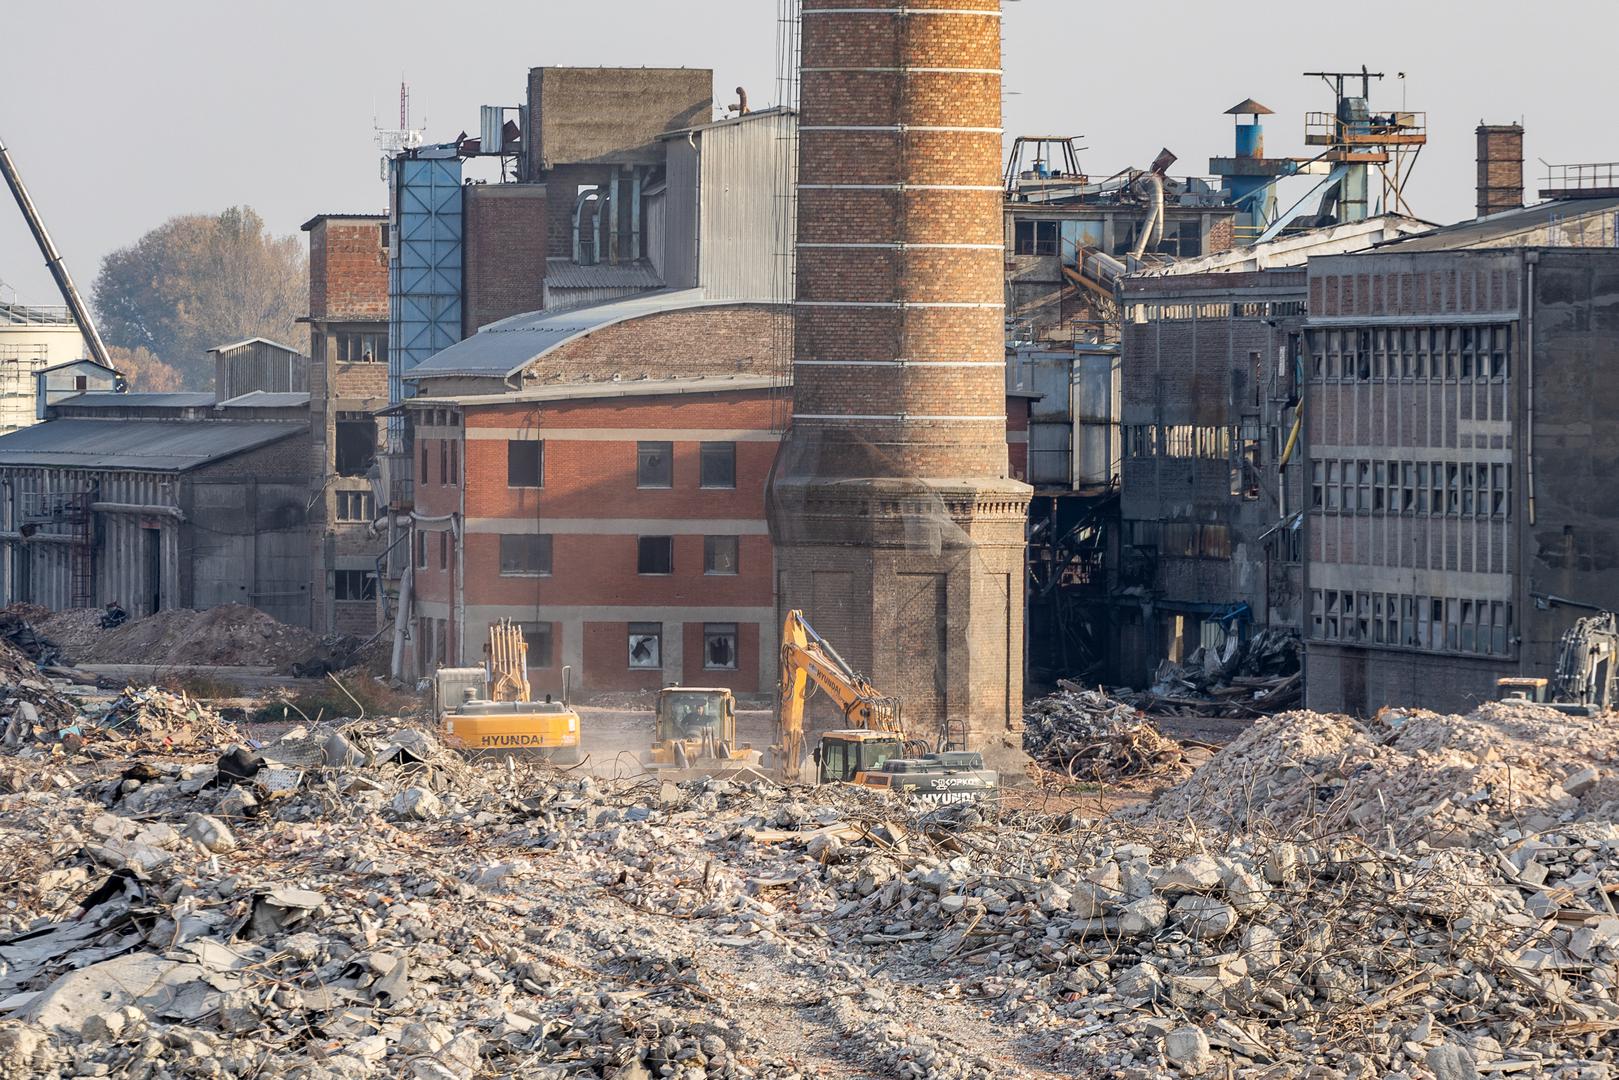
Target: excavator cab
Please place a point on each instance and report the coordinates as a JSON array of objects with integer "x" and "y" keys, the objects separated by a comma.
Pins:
[
  {"x": 695, "y": 734},
  {"x": 843, "y": 755}
]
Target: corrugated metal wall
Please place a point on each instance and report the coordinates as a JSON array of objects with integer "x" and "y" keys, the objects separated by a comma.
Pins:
[
  {"x": 424, "y": 265},
  {"x": 746, "y": 207},
  {"x": 680, "y": 245}
]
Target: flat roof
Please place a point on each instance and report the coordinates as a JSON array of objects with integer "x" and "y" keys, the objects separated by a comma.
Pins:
[
  {"x": 712, "y": 384},
  {"x": 504, "y": 348},
  {"x": 138, "y": 445},
  {"x": 267, "y": 399},
  {"x": 318, "y": 218}
]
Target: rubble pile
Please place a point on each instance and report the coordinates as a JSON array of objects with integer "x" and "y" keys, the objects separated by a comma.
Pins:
[
  {"x": 351, "y": 900},
  {"x": 231, "y": 635},
  {"x": 1241, "y": 679},
  {"x": 29, "y": 701},
  {"x": 1088, "y": 735},
  {"x": 1409, "y": 774}
]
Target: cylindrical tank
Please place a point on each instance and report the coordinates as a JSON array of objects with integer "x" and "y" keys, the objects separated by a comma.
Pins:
[
  {"x": 1251, "y": 140},
  {"x": 899, "y": 322}
]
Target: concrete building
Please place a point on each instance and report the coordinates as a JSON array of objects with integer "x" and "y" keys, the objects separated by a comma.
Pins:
[
  {"x": 897, "y": 528},
  {"x": 33, "y": 341},
  {"x": 1459, "y": 410},
  {"x": 348, "y": 384},
  {"x": 158, "y": 501}
]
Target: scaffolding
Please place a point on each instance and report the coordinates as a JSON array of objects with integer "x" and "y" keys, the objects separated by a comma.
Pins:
[{"x": 20, "y": 366}]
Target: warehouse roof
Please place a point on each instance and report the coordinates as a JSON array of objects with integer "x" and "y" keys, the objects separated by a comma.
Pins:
[
  {"x": 109, "y": 399},
  {"x": 138, "y": 445},
  {"x": 267, "y": 399},
  {"x": 504, "y": 348},
  {"x": 1503, "y": 225},
  {"x": 607, "y": 388}
]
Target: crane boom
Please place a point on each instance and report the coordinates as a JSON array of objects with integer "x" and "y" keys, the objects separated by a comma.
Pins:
[
  {"x": 53, "y": 260},
  {"x": 809, "y": 660}
]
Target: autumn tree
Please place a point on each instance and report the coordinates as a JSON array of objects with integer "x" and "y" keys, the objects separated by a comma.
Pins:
[
  {"x": 143, "y": 371},
  {"x": 196, "y": 282}
]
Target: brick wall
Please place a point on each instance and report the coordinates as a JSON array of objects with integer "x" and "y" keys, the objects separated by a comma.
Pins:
[
  {"x": 348, "y": 269},
  {"x": 505, "y": 252}
]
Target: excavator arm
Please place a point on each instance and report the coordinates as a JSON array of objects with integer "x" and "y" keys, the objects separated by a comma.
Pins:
[{"x": 808, "y": 663}]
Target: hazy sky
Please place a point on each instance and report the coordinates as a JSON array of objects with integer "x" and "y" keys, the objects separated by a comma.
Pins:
[{"x": 122, "y": 114}]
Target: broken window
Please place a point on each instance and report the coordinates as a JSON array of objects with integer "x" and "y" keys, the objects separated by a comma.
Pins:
[
  {"x": 525, "y": 555},
  {"x": 525, "y": 463},
  {"x": 719, "y": 555},
  {"x": 354, "y": 585},
  {"x": 1318, "y": 485},
  {"x": 646, "y": 645},
  {"x": 719, "y": 646},
  {"x": 718, "y": 465},
  {"x": 356, "y": 446},
  {"x": 654, "y": 465},
  {"x": 537, "y": 636},
  {"x": 353, "y": 347},
  {"x": 655, "y": 555},
  {"x": 354, "y": 506},
  {"x": 1036, "y": 237}
]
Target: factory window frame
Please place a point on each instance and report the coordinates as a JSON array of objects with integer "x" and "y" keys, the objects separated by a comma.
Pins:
[
  {"x": 1317, "y": 614},
  {"x": 1318, "y": 485},
  {"x": 525, "y": 463},
  {"x": 1330, "y": 609},
  {"x": 421, "y": 550},
  {"x": 354, "y": 347},
  {"x": 354, "y": 585},
  {"x": 1334, "y": 473},
  {"x": 354, "y": 506},
  {"x": 1498, "y": 490},
  {"x": 1467, "y": 489},
  {"x": 355, "y": 446},
  {"x": 720, "y": 555},
  {"x": 646, "y": 645},
  {"x": 654, "y": 465},
  {"x": 422, "y": 479},
  {"x": 1453, "y": 488},
  {"x": 444, "y": 462},
  {"x": 1037, "y": 237},
  {"x": 525, "y": 555},
  {"x": 717, "y": 465},
  {"x": 444, "y": 550},
  {"x": 719, "y": 646},
  {"x": 655, "y": 555},
  {"x": 538, "y": 636},
  {"x": 455, "y": 461}
]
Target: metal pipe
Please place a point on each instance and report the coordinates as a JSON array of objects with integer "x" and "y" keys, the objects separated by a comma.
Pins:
[
  {"x": 612, "y": 218},
  {"x": 53, "y": 260},
  {"x": 1153, "y": 229},
  {"x": 1530, "y": 258},
  {"x": 635, "y": 214}
]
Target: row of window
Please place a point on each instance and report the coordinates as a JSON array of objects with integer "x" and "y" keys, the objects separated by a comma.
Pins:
[
  {"x": 1442, "y": 488},
  {"x": 1180, "y": 539},
  {"x": 1433, "y": 623},
  {"x": 355, "y": 506},
  {"x": 644, "y": 645},
  {"x": 1438, "y": 353},
  {"x": 1206, "y": 441},
  {"x": 529, "y": 554},
  {"x": 525, "y": 463}
]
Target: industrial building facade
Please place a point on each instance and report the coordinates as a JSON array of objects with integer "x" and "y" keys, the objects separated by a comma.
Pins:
[{"x": 1459, "y": 410}]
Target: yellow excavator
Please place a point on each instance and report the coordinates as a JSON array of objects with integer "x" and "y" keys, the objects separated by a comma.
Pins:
[
  {"x": 872, "y": 751},
  {"x": 490, "y": 708}
]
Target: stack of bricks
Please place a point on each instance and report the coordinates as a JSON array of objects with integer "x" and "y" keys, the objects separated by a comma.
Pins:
[
  {"x": 1500, "y": 168},
  {"x": 898, "y": 530}
]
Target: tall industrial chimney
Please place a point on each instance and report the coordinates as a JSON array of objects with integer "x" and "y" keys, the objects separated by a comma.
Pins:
[
  {"x": 898, "y": 530},
  {"x": 1500, "y": 168}
]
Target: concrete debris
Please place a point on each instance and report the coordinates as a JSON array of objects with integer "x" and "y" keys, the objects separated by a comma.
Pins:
[
  {"x": 401, "y": 911},
  {"x": 226, "y": 636},
  {"x": 1087, "y": 735},
  {"x": 1241, "y": 679}
]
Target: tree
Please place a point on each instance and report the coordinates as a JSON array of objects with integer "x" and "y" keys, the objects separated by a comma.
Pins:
[
  {"x": 145, "y": 372},
  {"x": 196, "y": 282}
]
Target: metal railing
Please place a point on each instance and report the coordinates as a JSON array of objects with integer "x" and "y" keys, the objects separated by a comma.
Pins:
[
  {"x": 34, "y": 315},
  {"x": 1581, "y": 177},
  {"x": 1325, "y": 129}
]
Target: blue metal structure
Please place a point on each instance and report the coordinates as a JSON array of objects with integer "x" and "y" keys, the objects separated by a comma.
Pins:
[{"x": 424, "y": 266}]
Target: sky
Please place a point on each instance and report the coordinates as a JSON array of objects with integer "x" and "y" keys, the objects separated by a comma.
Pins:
[{"x": 121, "y": 115}]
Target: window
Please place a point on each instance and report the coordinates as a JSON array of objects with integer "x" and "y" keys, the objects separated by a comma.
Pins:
[
  {"x": 525, "y": 463},
  {"x": 1036, "y": 237},
  {"x": 362, "y": 348},
  {"x": 719, "y": 554},
  {"x": 356, "y": 447},
  {"x": 537, "y": 635},
  {"x": 81, "y": 382},
  {"x": 719, "y": 646},
  {"x": 444, "y": 461},
  {"x": 421, "y": 551},
  {"x": 654, "y": 465},
  {"x": 646, "y": 645},
  {"x": 443, "y": 551},
  {"x": 525, "y": 555},
  {"x": 655, "y": 555},
  {"x": 718, "y": 465},
  {"x": 354, "y": 506},
  {"x": 423, "y": 477},
  {"x": 455, "y": 462},
  {"x": 355, "y": 585}
]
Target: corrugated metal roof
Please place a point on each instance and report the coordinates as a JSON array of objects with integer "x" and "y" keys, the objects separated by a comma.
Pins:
[
  {"x": 107, "y": 399},
  {"x": 567, "y": 274},
  {"x": 267, "y": 399},
  {"x": 1503, "y": 225},
  {"x": 157, "y": 445},
  {"x": 577, "y": 391},
  {"x": 254, "y": 341},
  {"x": 506, "y": 347}
]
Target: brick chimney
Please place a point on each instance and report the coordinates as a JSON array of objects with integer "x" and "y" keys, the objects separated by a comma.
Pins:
[
  {"x": 1500, "y": 168},
  {"x": 897, "y": 528}
]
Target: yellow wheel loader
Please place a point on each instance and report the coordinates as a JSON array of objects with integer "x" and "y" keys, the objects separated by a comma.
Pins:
[{"x": 695, "y": 734}]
